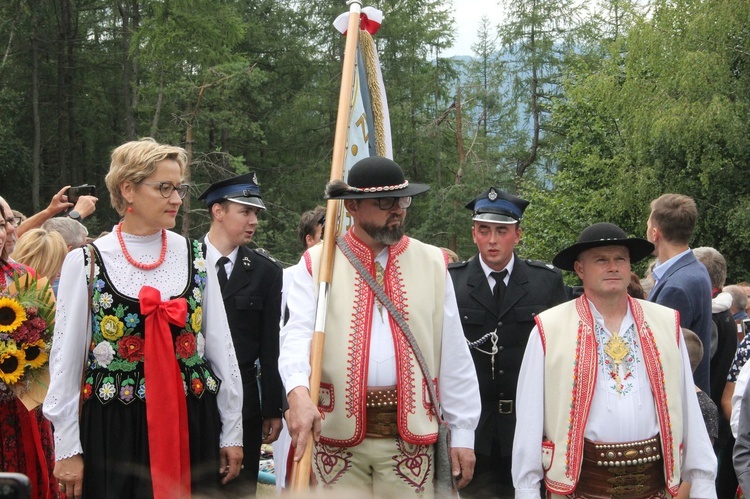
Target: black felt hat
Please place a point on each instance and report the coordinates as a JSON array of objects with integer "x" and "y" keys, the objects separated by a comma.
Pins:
[
  {"x": 603, "y": 234},
  {"x": 243, "y": 189},
  {"x": 374, "y": 177}
]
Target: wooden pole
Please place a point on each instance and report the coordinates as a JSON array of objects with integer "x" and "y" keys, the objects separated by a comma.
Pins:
[{"x": 301, "y": 470}]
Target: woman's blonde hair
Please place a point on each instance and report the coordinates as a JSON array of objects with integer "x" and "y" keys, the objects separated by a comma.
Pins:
[
  {"x": 136, "y": 161},
  {"x": 42, "y": 250}
]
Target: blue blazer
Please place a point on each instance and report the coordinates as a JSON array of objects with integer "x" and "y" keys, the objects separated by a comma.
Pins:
[{"x": 686, "y": 288}]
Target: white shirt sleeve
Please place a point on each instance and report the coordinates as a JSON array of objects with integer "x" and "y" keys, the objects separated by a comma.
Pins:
[
  {"x": 294, "y": 357},
  {"x": 69, "y": 349},
  {"x": 459, "y": 388},
  {"x": 527, "y": 469}
]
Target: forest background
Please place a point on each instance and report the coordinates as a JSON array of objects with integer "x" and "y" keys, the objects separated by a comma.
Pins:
[{"x": 589, "y": 112}]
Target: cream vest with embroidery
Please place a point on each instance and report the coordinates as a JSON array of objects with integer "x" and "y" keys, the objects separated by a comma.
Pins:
[
  {"x": 572, "y": 324},
  {"x": 415, "y": 282}
]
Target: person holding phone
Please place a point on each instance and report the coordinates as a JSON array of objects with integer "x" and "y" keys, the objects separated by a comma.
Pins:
[{"x": 83, "y": 205}]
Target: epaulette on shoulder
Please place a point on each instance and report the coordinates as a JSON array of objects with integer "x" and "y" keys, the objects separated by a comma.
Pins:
[
  {"x": 265, "y": 254},
  {"x": 458, "y": 265},
  {"x": 540, "y": 264}
]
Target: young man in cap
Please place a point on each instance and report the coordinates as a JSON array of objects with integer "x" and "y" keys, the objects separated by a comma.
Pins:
[
  {"x": 498, "y": 296},
  {"x": 682, "y": 283},
  {"x": 251, "y": 287},
  {"x": 378, "y": 422},
  {"x": 605, "y": 392}
]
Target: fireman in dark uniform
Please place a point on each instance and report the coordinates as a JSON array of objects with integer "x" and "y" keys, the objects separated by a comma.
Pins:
[
  {"x": 251, "y": 283},
  {"x": 498, "y": 296}
]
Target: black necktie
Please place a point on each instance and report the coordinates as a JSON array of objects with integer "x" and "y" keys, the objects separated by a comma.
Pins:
[
  {"x": 221, "y": 271},
  {"x": 499, "y": 289}
]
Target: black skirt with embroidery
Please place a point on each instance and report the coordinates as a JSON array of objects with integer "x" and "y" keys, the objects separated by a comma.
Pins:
[{"x": 115, "y": 448}]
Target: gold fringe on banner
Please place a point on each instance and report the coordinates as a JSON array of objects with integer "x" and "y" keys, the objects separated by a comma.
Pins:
[{"x": 367, "y": 45}]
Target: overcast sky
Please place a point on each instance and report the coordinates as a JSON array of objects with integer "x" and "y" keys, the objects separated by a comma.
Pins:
[{"x": 467, "y": 14}]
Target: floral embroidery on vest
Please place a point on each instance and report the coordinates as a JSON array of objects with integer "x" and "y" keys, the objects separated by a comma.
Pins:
[{"x": 115, "y": 363}]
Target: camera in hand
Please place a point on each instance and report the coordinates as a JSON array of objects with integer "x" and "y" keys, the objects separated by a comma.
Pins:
[
  {"x": 74, "y": 193},
  {"x": 14, "y": 486}
]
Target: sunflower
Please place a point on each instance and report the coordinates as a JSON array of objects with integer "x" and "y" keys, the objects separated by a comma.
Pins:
[
  {"x": 11, "y": 366},
  {"x": 36, "y": 353},
  {"x": 12, "y": 315}
]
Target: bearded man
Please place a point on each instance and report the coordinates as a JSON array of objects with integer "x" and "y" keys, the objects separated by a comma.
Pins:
[{"x": 378, "y": 422}]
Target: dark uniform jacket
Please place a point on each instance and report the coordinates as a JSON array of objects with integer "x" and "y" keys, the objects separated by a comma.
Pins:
[
  {"x": 532, "y": 288},
  {"x": 252, "y": 299}
]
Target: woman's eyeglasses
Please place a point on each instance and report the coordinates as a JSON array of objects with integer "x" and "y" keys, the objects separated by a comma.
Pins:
[
  {"x": 387, "y": 203},
  {"x": 167, "y": 188}
]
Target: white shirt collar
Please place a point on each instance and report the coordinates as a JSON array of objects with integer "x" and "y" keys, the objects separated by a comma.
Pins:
[
  {"x": 213, "y": 255},
  {"x": 487, "y": 270}
]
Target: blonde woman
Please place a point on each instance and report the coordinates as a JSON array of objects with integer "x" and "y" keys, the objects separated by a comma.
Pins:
[
  {"x": 43, "y": 251},
  {"x": 162, "y": 405}
]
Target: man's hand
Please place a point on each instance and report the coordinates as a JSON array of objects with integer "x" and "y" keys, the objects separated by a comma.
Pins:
[
  {"x": 230, "y": 462},
  {"x": 303, "y": 417},
  {"x": 462, "y": 460},
  {"x": 69, "y": 472},
  {"x": 271, "y": 430},
  {"x": 86, "y": 205}
]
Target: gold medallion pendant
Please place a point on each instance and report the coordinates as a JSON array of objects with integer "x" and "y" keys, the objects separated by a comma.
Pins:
[{"x": 616, "y": 349}]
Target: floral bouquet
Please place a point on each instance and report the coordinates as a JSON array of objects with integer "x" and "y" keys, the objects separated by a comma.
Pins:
[{"x": 27, "y": 319}]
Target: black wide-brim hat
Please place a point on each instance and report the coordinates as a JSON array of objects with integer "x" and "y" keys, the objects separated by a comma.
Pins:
[
  {"x": 377, "y": 177},
  {"x": 603, "y": 234}
]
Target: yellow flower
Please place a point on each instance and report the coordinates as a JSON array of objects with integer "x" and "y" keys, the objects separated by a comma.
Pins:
[
  {"x": 196, "y": 320},
  {"x": 36, "y": 354},
  {"x": 12, "y": 315},
  {"x": 12, "y": 363},
  {"x": 111, "y": 327}
]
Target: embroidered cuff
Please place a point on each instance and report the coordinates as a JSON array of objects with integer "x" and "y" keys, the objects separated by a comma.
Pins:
[
  {"x": 231, "y": 429},
  {"x": 67, "y": 439}
]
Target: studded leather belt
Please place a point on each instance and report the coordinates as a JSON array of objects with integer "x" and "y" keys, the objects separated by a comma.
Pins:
[
  {"x": 382, "y": 396},
  {"x": 382, "y": 418},
  {"x": 632, "y": 470}
]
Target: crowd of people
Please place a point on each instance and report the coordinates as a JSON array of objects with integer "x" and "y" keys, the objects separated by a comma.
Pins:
[{"x": 625, "y": 386}]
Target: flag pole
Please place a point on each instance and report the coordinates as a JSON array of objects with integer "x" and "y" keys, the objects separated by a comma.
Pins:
[{"x": 301, "y": 470}]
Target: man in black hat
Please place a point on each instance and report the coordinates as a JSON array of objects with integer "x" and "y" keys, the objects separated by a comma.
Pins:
[
  {"x": 498, "y": 295},
  {"x": 606, "y": 392},
  {"x": 251, "y": 287},
  {"x": 378, "y": 421}
]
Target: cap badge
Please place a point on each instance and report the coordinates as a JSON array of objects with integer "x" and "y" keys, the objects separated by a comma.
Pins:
[
  {"x": 255, "y": 179},
  {"x": 492, "y": 195}
]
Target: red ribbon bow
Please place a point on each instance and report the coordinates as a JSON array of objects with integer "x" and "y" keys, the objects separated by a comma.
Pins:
[{"x": 168, "y": 443}]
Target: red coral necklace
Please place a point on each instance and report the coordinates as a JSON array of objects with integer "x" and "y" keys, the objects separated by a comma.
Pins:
[{"x": 132, "y": 261}]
